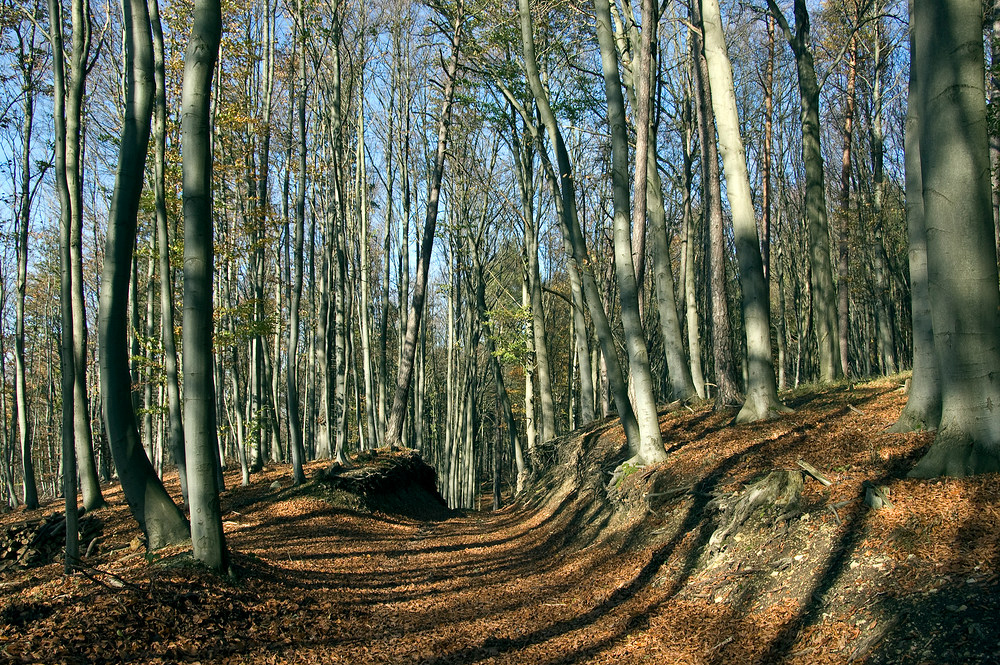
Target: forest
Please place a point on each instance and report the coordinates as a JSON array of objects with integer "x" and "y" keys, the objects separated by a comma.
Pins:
[{"x": 239, "y": 236}]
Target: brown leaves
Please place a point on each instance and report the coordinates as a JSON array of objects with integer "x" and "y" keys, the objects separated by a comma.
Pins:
[{"x": 572, "y": 581}]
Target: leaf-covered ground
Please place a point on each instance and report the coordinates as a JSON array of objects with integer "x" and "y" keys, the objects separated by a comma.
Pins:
[{"x": 581, "y": 572}]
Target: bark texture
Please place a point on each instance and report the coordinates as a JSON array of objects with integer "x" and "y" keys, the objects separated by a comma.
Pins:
[{"x": 961, "y": 256}]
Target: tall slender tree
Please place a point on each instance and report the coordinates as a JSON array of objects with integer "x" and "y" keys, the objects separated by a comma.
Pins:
[
  {"x": 761, "y": 390},
  {"x": 824, "y": 294},
  {"x": 649, "y": 448},
  {"x": 404, "y": 377},
  {"x": 149, "y": 502},
  {"x": 200, "y": 438}
]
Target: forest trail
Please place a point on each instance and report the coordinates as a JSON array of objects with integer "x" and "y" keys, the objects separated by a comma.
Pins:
[{"x": 579, "y": 572}]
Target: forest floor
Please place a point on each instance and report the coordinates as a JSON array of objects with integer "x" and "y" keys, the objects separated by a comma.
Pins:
[{"x": 581, "y": 571}]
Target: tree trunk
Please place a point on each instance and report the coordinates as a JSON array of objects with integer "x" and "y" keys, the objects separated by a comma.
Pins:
[
  {"x": 200, "y": 440},
  {"x": 27, "y": 62},
  {"x": 542, "y": 366},
  {"x": 883, "y": 305},
  {"x": 404, "y": 379},
  {"x": 648, "y": 449},
  {"x": 573, "y": 239},
  {"x": 292, "y": 376},
  {"x": 727, "y": 394},
  {"x": 923, "y": 406},
  {"x": 65, "y": 287},
  {"x": 175, "y": 435},
  {"x": 150, "y": 504},
  {"x": 762, "y": 393},
  {"x": 681, "y": 382},
  {"x": 825, "y": 303},
  {"x": 364, "y": 304},
  {"x": 688, "y": 246},
  {"x": 843, "y": 254},
  {"x": 961, "y": 256}
]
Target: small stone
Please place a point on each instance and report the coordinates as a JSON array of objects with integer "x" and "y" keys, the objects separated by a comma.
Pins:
[
  {"x": 854, "y": 564},
  {"x": 276, "y": 485},
  {"x": 799, "y": 557}
]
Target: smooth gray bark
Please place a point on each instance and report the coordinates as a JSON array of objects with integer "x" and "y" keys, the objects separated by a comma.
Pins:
[
  {"x": 761, "y": 391},
  {"x": 649, "y": 447},
  {"x": 82, "y": 434},
  {"x": 727, "y": 393},
  {"x": 961, "y": 256},
  {"x": 65, "y": 288},
  {"x": 200, "y": 437},
  {"x": 149, "y": 502},
  {"x": 27, "y": 64},
  {"x": 573, "y": 239},
  {"x": 825, "y": 299},
  {"x": 175, "y": 431},
  {"x": 404, "y": 377},
  {"x": 923, "y": 406},
  {"x": 678, "y": 369},
  {"x": 292, "y": 372}
]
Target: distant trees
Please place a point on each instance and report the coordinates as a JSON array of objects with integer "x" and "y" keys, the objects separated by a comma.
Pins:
[{"x": 319, "y": 318}]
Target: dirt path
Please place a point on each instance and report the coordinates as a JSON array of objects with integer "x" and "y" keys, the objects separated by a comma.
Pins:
[{"x": 512, "y": 587}]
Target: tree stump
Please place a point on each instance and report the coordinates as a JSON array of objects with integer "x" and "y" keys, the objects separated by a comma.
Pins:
[{"x": 779, "y": 490}]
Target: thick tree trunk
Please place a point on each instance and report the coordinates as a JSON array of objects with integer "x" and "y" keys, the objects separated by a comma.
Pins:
[
  {"x": 961, "y": 256},
  {"x": 923, "y": 406},
  {"x": 200, "y": 440},
  {"x": 150, "y": 504}
]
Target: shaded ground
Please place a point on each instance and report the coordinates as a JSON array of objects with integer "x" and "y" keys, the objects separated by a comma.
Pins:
[{"x": 581, "y": 573}]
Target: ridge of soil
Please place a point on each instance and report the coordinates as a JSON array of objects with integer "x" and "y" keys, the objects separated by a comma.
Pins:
[{"x": 588, "y": 567}]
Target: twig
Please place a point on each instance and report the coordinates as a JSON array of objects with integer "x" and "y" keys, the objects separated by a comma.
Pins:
[
  {"x": 721, "y": 644},
  {"x": 121, "y": 583},
  {"x": 856, "y": 410},
  {"x": 812, "y": 471}
]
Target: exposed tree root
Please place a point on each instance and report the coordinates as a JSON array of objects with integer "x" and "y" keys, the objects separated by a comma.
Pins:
[{"x": 779, "y": 490}]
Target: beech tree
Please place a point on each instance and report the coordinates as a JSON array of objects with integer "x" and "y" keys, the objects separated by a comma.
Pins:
[
  {"x": 200, "y": 434},
  {"x": 761, "y": 392},
  {"x": 948, "y": 62},
  {"x": 825, "y": 300},
  {"x": 154, "y": 510},
  {"x": 404, "y": 378}
]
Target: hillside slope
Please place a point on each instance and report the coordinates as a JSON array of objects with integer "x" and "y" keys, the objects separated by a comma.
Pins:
[{"x": 586, "y": 569}]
